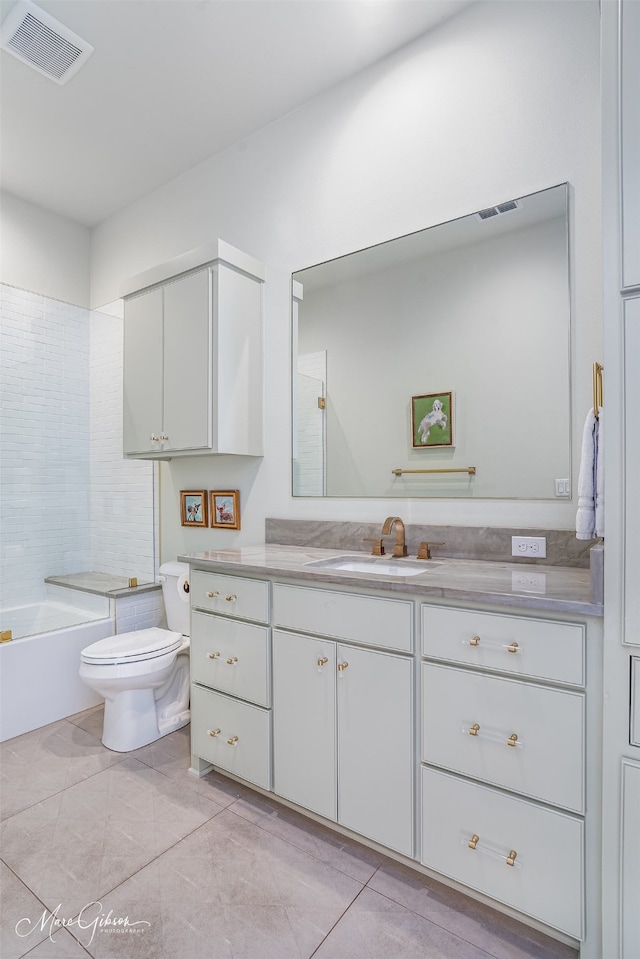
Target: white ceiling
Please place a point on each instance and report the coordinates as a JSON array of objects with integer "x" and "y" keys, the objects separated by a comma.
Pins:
[{"x": 172, "y": 82}]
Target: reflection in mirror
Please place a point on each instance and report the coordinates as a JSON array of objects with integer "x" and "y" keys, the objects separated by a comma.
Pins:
[{"x": 477, "y": 308}]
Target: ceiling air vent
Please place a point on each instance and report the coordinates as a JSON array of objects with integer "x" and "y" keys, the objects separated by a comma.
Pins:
[
  {"x": 42, "y": 42},
  {"x": 497, "y": 210}
]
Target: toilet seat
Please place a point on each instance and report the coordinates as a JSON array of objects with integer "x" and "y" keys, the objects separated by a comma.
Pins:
[{"x": 134, "y": 647}]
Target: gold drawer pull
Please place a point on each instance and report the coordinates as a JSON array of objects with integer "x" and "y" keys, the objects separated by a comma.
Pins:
[
  {"x": 473, "y": 842},
  {"x": 232, "y": 598},
  {"x": 342, "y": 667},
  {"x": 234, "y": 660},
  {"x": 513, "y": 648},
  {"x": 214, "y": 732},
  {"x": 323, "y": 661},
  {"x": 511, "y": 741},
  {"x": 475, "y": 641},
  {"x": 213, "y": 655},
  {"x": 212, "y": 593},
  {"x": 233, "y": 740},
  {"x": 475, "y": 729},
  {"x": 511, "y": 858}
]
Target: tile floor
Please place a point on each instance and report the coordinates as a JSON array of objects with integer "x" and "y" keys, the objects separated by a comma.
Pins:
[{"x": 204, "y": 868}]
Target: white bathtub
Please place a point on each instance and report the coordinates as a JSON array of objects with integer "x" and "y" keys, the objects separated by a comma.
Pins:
[{"x": 39, "y": 667}]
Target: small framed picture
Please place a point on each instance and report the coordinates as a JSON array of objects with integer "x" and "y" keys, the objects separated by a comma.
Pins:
[
  {"x": 225, "y": 508},
  {"x": 193, "y": 507},
  {"x": 432, "y": 420}
]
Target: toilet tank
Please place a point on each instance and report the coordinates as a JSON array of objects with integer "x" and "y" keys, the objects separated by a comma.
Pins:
[{"x": 175, "y": 592}]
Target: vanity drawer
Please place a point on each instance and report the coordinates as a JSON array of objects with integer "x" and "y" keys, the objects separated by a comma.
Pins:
[
  {"x": 537, "y": 648},
  {"x": 546, "y": 879},
  {"x": 468, "y": 719},
  {"x": 361, "y": 619},
  {"x": 230, "y": 595},
  {"x": 231, "y": 735},
  {"x": 231, "y": 656}
]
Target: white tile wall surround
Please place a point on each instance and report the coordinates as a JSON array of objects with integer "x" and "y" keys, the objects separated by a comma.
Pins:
[
  {"x": 44, "y": 435},
  {"x": 123, "y": 535},
  {"x": 68, "y": 500},
  {"x": 140, "y": 612}
]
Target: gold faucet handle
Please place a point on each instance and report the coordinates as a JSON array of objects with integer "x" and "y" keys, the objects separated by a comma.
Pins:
[
  {"x": 377, "y": 549},
  {"x": 425, "y": 550}
]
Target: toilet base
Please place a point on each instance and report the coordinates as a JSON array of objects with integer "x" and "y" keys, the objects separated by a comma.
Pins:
[{"x": 131, "y": 721}]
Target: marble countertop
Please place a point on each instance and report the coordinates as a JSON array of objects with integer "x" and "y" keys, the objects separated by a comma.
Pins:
[{"x": 557, "y": 589}]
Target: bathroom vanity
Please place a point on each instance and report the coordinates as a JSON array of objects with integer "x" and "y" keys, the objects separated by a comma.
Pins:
[{"x": 444, "y": 716}]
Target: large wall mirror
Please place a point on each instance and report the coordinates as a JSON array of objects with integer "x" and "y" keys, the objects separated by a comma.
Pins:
[{"x": 437, "y": 364}]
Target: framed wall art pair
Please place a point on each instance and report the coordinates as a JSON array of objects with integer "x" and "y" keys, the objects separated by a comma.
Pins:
[{"x": 216, "y": 508}]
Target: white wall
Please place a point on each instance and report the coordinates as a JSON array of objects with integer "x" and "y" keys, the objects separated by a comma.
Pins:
[
  {"x": 500, "y": 101},
  {"x": 43, "y": 252}
]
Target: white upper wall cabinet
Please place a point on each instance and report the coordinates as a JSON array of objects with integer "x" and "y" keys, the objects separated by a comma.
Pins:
[{"x": 193, "y": 357}]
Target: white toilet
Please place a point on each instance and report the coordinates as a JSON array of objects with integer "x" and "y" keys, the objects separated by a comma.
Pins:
[{"x": 144, "y": 675}]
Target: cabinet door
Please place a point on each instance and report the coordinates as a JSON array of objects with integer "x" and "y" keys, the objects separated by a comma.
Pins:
[
  {"x": 143, "y": 372},
  {"x": 630, "y": 858},
  {"x": 187, "y": 362},
  {"x": 304, "y": 721},
  {"x": 631, "y": 570},
  {"x": 375, "y": 746}
]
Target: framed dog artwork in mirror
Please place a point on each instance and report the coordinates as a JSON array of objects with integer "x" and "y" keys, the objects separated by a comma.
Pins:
[{"x": 432, "y": 420}]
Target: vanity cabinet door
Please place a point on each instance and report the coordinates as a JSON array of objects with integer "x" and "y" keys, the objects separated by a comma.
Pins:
[
  {"x": 304, "y": 721},
  {"x": 375, "y": 746}
]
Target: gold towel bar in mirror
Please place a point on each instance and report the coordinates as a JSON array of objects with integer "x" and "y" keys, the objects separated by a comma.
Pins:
[{"x": 471, "y": 470}]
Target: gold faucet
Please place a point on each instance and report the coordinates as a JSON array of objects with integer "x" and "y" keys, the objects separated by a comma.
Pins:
[{"x": 399, "y": 548}]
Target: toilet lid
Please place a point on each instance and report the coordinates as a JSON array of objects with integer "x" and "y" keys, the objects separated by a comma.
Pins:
[{"x": 132, "y": 647}]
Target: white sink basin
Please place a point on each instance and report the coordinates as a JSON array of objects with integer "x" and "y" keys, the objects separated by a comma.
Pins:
[{"x": 371, "y": 564}]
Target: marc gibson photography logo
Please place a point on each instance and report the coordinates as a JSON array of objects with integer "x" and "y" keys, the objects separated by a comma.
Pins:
[{"x": 90, "y": 917}]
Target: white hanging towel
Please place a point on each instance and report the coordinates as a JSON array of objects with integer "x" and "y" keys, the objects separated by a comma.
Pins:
[
  {"x": 599, "y": 518},
  {"x": 590, "y": 481}
]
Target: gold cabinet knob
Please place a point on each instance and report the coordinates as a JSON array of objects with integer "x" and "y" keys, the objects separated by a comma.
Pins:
[
  {"x": 513, "y": 739},
  {"x": 512, "y": 648},
  {"x": 343, "y": 666},
  {"x": 232, "y": 661},
  {"x": 233, "y": 740},
  {"x": 213, "y": 655},
  {"x": 473, "y": 842},
  {"x": 153, "y": 438},
  {"x": 212, "y": 593},
  {"x": 323, "y": 660},
  {"x": 231, "y": 598},
  {"x": 511, "y": 858},
  {"x": 475, "y": 641},
  {"x": 213, "y": 732},
  {"x": 475, "y": 729}
]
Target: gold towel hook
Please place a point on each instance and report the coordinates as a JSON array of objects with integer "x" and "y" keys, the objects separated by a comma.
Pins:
[{"x": 598, "y": 370}]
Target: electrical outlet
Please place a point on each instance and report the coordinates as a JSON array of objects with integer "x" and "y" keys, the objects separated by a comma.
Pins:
[
  {"x": 528, "y": 582},
  {"x": 529, "y": 546}
]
